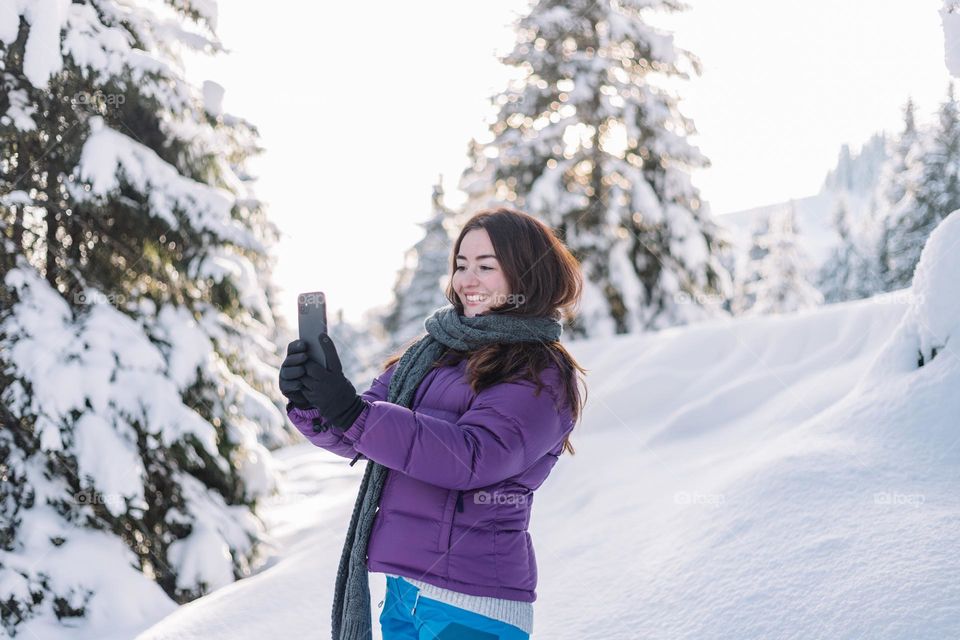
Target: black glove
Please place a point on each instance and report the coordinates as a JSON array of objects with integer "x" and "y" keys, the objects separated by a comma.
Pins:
[
  {"x": 327, "y": 389},
  {"x": 291, "y": 371}
]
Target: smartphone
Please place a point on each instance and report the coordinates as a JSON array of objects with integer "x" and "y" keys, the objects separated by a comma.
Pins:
[{"x": 312, "y": 312}]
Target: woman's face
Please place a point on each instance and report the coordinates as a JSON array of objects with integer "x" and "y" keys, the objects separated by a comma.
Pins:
[{"x": 478, "y": 274}]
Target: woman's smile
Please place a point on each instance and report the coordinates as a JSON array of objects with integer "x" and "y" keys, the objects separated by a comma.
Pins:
[{"x": 474, "y": 299}]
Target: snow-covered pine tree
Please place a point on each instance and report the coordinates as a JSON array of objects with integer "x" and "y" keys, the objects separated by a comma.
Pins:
[
  {"x": 842, "y": 275},
  {"x": 781, "y": 284},
  {"x": 924, "y": 190},
  {"x": 897, "y": 195},
  {"x": 747, "y": 271},
  {"x": 361, "y": 344},
  {"x": 858, "y": 172},
  {"x": 590, "y": 141},
  {"x": 850, "y": 271},
  {"x": 137, "y": 338},
  {"x": 420, "y": 283},
  {"x": 478, "y": 183}
]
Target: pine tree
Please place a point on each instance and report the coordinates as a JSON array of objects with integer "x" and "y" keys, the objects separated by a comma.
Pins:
[
  {"x": 420, "y": 284},
  {"x": 137, "y": 338},
  {"x": 844, "y": 275},
  {"x": 747, "y": 272},
  {"x": 858, "y": 172},
  {"x": 925, "y": 193},
  {"x": 360, "y": 346},
  {"x": 897, "y": 196},
  {"x": 591, "y": 142},
  {"x": 478, "y": 183},
  {"x": 780, "y": 282}
]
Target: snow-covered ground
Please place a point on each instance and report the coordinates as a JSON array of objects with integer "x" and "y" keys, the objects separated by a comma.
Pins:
[{"x": 788, "y": 477}]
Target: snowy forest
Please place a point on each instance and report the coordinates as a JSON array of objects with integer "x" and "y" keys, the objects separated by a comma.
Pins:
[{"x": 146, "y": 461}]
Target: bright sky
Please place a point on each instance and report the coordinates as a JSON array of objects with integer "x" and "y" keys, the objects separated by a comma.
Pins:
[{"x": 362, "y": 105}]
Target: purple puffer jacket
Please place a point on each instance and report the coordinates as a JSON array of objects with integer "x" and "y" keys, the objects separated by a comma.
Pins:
[{"x": 455, "y": 508}]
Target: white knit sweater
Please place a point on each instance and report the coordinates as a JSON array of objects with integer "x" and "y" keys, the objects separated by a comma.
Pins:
[{"x": 515, "y": 612}]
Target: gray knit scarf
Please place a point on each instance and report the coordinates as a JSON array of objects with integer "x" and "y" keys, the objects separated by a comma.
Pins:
[{"x": 445, "y": 329}]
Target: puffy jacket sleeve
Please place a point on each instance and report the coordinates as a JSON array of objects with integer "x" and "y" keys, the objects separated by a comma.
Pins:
[
  {"x": 506, "y": 429},
  {"x": 332, "y": 438}
]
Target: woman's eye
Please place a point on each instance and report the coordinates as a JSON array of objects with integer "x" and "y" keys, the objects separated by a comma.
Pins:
[{"x": 482, "y": 267}]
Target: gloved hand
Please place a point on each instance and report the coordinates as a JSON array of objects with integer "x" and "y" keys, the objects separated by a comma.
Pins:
[
  {"x": 327, "y": 389},
  {"x": 291, "y": 371}
]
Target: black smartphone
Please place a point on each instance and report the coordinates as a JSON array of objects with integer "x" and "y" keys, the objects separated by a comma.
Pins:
[{"x": 312, "y": 312}]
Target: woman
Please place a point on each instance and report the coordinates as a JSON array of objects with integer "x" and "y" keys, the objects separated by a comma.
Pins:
[{"x": 460, "y": 430}]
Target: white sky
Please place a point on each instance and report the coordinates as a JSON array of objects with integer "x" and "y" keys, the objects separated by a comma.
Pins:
[{"x": 361, "y": 106}]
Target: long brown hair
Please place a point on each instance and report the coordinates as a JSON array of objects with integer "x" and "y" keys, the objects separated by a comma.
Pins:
[{"x": 545, "y": 280}]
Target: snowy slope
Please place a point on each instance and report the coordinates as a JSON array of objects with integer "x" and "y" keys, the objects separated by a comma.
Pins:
[
  {"x": 751, "y": 488},
  {"x": 780, "y": 477}
]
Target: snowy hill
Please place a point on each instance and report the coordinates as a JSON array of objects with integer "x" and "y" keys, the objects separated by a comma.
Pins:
[{"x": 788, "y": 476}]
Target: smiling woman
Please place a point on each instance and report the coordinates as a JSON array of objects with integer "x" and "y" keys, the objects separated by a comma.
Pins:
[
  {"x": 478, "y": 279},
  {"x": 460, "y": 430}
]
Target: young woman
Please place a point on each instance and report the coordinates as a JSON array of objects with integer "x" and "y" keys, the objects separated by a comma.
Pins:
[{"x": 460, "y": 430}]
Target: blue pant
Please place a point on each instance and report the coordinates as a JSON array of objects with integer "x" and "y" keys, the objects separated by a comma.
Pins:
[{"x": 408, "y": 616}]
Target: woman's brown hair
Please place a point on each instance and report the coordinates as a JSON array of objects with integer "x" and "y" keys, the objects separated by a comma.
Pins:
[{"x": 545, "y": 281}]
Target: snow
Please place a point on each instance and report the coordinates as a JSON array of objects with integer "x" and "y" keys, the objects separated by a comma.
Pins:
[
  {"x": 950, "y": 18},
  {"x": 109, "y": 457},
  {"x": 305, "y": 518},
  {"x": 143, "y": 392},
  {"x": 220, "y": 263},
  {"x": 106, "y": 365},
  {"x": 20, "y": 112},
  {"x": 189, "y": 347},
  {"x": 107, "y": 155},
  {"x": 202, "y": 558},
  {"x": 936, "y": 290},
  {"x": 89, "y": 378},
  {"x": 124, "y": 598},
  {"x": 61, "y": 29},
  {"x": 41, "y": 59},
  {"x": 781, "y": 476},
  {"x": 213, "y": 97},
  {"x": 9, "y": 20}
]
